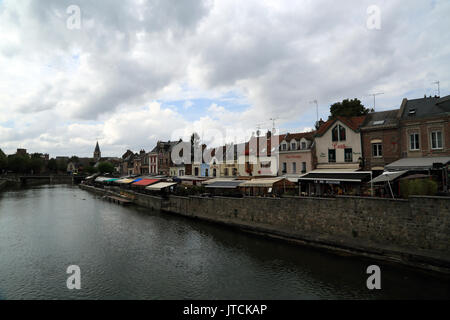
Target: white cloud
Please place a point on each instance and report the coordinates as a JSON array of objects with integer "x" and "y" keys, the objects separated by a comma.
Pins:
[{"x": 62, "y": 89}]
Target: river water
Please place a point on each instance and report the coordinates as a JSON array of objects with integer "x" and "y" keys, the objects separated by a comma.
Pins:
[{"x": 133, "y": 253}]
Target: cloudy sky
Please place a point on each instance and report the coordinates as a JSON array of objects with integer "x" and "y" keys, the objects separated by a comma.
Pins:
[{"x": 137, "y": 71}]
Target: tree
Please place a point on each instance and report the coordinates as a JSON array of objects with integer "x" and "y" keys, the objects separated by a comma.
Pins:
[
  {"x": 52, "y": 165},
  {"x": 36, "y": 163},
  {"x": 348, "y": 108},
  {"x": 61, "y": 165},
  {"x": 18, "y": 163},
  {"x": 3, "y": 161},
  {"x": 105, "y": 167},
  {"x": 90, "y": 169},
  {"x": 74, "y": 159}
]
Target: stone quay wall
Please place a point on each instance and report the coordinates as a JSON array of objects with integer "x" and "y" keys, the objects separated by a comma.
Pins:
[{"x": 414, "y": 232}]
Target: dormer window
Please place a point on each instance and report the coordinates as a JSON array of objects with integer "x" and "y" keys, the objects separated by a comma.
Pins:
[
  {"x": 293, "y": 146},
  {"x": 304, "y": 145},
  {"x": 338, "y": 133},
  {"x": 284, "y": 146}
]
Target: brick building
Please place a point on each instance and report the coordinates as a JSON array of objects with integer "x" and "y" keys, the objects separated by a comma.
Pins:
[
  {"x": 380, "y": 136},
  {"x": 425, "y": 128}
]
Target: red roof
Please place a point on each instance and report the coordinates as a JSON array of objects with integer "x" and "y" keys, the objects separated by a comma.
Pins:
[
  {"x": 352, "y": 122},
  {"x": 145, "y": 182}
]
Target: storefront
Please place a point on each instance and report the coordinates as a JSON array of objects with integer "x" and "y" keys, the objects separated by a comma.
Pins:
[{"x": 332, "y": 183}]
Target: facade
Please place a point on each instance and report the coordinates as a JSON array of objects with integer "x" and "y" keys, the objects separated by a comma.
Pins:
[
  {"x": 153, "y": 162},
  {"x": 338, "y": 143},
  {"x": 381, "y": 139},
  {"x": 164, "y": 150},
  {"x": 177, "y": 171},
  {"x": 296, "y": 153},
  {"x": 425, "y": 128},
  {"x": 260, "y": 158}
]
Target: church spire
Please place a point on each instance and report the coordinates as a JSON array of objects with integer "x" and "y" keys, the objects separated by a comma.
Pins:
[{"x": 97, "y": 153}]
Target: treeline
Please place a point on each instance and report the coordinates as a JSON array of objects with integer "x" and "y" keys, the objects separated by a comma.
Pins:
[{"x": 30, "y": 164}]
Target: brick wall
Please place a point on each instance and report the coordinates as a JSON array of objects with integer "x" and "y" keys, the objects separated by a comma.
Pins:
[
  {"x": 391, "y": 146},
  {"x": 424, "y": 128}
]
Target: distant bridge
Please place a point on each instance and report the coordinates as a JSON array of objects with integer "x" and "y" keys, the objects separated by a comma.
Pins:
[{"x": 51, "y": 178}]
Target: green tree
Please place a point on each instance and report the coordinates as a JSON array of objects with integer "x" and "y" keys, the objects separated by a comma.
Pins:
[
  {"x": 18, "y": 163},
  {"x": 105, "y": 167},
  {"x": 90, "y": 169},
  {"x": 348, "y": 108},
  {"x": 62, "y": 165},
  {"x": 74, "y": 159},
  {"x": 52, "y": 165},
  {"x": 36, "y": 163},
  {"x": 3, "y": 161}
]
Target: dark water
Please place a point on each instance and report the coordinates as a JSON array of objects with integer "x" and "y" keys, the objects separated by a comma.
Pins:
[{"x": 131, "y": 253}]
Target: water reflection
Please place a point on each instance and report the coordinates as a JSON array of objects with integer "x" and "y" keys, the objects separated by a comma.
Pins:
[{"x": 134, "y": 253}]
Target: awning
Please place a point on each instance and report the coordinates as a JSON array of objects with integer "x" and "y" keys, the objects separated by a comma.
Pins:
[
  {"x": 216, "y": 180},
  {"x": 160, "y": 186},
  {"x": 145, "y": 182},
  {"x": 423, "y": 163},
  {"x": 225, "y": 184},
  {"x": 264, "y": 183},
  {"x": 388, "y": 176},
  {"x": 111, "y": 180},
  {"x": 332, "y": 177},
  {"x": 102, "y": 179},
  {"x": 125, "y": 181}
]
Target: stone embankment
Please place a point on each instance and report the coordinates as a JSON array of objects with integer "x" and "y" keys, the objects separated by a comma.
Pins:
[{"x": 414, "y": 232}]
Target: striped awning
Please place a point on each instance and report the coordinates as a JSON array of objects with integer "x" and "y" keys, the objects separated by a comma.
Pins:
[{"x": 125, "y": 181}]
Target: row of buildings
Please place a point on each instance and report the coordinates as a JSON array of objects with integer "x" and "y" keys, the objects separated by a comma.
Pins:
[{"x": 338, "y": 157}]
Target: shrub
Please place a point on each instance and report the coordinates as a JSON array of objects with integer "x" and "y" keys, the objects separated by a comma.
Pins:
[{"x": 418, "y": 187}]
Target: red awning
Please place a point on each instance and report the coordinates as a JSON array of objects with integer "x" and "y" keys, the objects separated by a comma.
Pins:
[{"x": 145, "y": 182}]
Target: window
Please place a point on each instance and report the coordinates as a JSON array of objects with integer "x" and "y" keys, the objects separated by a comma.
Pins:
[
  {"x": 377, "y": 150},
  {"x": 331, "y": 155},
  {"x": 348, "y": 155},
  {"x": 436, "y": 140},
  {"x": 303, "y": 145},
  {"x": 284, "y": 146},
  {"x": 338, "y": 133},
  {"x": 284, "y": 167},
  {"x": 414, "y": 141},
  {"x": 226, "y": 172},
  {"x": 196, "y": 172},
  {"x": 303, "y": 167},
  {"x": 294, "y": 167},
  {"x": 293, "y": 146}
]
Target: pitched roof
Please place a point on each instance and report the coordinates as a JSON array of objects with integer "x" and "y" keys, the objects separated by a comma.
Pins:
[
  {"x": 353, "y": 123},
  {"x": 298, "y": 136},
  {"x": 426, "y": 107},
  {"x": 382, "y": 119}
]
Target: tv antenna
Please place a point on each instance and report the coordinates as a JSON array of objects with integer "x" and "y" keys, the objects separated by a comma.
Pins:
[
  {"x": 439, "y": 87},
  {"x": 273, "y": 124},
  {"x": 374, "y": 95},
  {"x": 317, "y": 108}
]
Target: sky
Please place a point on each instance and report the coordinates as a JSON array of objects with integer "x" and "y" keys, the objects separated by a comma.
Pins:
[{"x": 131, "y": 72}]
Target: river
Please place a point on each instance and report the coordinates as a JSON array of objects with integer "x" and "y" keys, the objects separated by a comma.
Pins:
[{"x": 133, "y": 253}]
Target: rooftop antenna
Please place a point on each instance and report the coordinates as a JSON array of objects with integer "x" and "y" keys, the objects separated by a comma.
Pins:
[
  {"x": 258, "y": 129},
  {"x": 273, "y": 124},
  {"x": 374, "y": 98},
  {"x": 317, "y": 108},
  {"x": 439, "y": 87}
]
